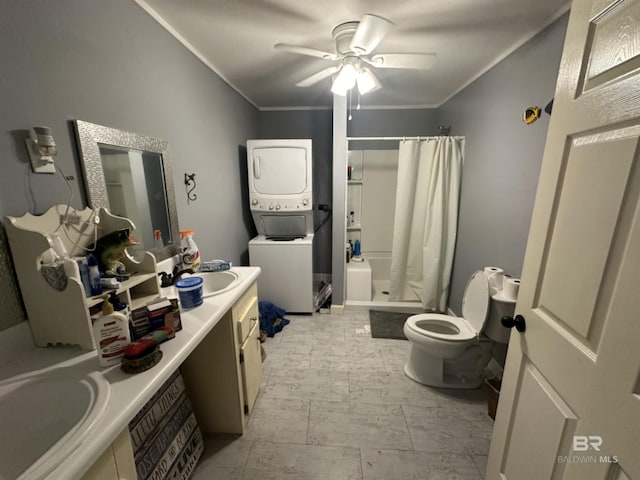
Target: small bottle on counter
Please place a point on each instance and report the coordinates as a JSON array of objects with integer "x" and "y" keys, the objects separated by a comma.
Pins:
[
  {"x": 111, "y": 334},
  {"x": 356, "y": 248},
  {"x": 157, "y": 239},
  {"x": 83, "y": 268},
  {"x": 94, "y": 275}
]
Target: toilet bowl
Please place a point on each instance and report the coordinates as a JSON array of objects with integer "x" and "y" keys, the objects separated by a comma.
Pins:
[{"x": 452, "y": 352}]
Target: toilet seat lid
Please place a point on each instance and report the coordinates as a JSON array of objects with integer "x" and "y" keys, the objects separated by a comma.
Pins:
[{"x": 475, "y": 303}]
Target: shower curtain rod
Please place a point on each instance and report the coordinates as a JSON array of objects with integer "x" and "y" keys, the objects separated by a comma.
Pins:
[{"x": 398, "y": 138}]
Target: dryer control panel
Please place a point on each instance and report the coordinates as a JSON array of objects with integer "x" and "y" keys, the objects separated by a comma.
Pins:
[{"x": 283, "y": 204}]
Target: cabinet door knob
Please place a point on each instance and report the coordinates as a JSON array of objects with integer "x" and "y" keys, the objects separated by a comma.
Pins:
[{"x": 518, "y": 322}]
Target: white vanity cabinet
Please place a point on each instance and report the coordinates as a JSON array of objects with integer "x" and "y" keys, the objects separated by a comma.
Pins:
[
  {"x": 62, "y": 317},
  {"x": 250, "y": 359},
  {"x": 223, "y": 391}
]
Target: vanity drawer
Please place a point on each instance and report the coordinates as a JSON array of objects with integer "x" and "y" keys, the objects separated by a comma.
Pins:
[
  {"x": 244, "y": 302},
  {"x": 248, "y": 320}
]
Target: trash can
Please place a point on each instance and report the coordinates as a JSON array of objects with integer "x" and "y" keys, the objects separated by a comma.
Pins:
[{"x": 492, "y": 385}]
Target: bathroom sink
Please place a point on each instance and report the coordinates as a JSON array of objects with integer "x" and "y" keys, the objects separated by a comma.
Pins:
[
  {"x": 45, "y": 417},
  {"x": 216, "y": 283}
]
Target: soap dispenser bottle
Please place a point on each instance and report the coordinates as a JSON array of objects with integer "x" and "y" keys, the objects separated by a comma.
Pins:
[{"x": 111, "y": 333}]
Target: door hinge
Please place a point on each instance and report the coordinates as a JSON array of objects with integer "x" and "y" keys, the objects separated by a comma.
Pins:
[
  {"x": 246, "y": 409},
  {"x": 241, "y": 358}
]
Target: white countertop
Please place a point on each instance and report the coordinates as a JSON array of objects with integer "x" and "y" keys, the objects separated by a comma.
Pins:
[{"x": 129, "y": 393}]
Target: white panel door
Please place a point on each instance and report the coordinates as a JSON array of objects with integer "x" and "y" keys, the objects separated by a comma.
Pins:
[{"x": 570, "y": 401}]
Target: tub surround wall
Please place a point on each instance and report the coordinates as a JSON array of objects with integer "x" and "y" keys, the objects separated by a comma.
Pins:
[
  {"x": 502, "y": 156},
  {"x": 111, "y": 63},
  {"x": 379, "y": 178}
]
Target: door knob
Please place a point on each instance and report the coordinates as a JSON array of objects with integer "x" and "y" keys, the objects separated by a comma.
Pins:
[{"x": 518, "y": 322}]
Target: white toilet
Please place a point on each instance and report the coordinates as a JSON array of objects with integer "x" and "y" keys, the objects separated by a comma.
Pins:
[{"x": 452, "y": 352}]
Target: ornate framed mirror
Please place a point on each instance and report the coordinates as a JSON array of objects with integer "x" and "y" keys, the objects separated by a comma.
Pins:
[{"x": 130, "y": 175}]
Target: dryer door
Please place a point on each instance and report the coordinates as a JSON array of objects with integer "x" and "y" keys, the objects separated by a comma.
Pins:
[{"x": 280, "y": 170}]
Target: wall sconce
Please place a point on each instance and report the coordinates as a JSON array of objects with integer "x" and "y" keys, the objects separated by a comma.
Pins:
[
  {"x": 190, "y": 182},
  {"x": 42, "y": 150}
]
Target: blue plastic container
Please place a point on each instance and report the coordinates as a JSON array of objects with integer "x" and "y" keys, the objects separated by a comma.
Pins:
[
  {"x": 356, "y": 249},
  {"x": 189, "y": 291}
]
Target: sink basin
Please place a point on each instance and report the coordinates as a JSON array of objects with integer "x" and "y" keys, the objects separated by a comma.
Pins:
[
  {"x": 216, "y": 283},
  {"x": 44, "y": 417}
]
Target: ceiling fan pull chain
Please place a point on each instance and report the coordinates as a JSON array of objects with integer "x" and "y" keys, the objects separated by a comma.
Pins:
[{"x": 350, "y": 102}]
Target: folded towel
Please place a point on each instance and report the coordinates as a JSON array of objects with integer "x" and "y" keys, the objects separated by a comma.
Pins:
[{"x": 271, "y": 318}]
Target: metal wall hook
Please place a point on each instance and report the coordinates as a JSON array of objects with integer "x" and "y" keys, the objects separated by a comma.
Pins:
[{"x": 190, "y": 182}]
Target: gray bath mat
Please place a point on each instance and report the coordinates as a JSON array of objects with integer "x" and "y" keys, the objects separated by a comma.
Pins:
[{"x": 387, "y": 324}]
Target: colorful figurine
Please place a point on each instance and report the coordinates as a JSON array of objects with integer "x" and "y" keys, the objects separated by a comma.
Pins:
[{"x": 110, "y": 249}]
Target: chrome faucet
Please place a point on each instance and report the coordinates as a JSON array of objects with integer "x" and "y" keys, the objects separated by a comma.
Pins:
[{"x": 168, "y": 279}]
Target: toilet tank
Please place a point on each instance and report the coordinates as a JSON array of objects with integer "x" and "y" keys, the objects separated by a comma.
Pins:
[{"x": 498, "y": 308}]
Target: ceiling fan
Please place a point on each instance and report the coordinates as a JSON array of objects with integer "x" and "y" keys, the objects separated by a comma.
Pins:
[{"x": 355, "y": 42}]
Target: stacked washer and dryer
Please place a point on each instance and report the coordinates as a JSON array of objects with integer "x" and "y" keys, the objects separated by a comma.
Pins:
[{"x": 281, "y": 202}]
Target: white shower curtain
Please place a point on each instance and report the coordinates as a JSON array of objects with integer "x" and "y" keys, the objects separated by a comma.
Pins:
[{"x": 426, "y": 217}]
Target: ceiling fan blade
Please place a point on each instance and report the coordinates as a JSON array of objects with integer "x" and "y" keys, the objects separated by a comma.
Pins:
[
  {"x": 317, "y": 77},
  {"x": 305, "y": 51},
  {"x": 370, "y": 32},
  {"x": 417, "y": 61}
]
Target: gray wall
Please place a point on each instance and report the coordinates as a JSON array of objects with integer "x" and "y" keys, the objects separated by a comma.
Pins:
[
  {"x": 110, "y": 63},
  {"x": 316, "y": 125},
  {"x": 390, "y": 123},
  {"x": 502, "y": 156}
]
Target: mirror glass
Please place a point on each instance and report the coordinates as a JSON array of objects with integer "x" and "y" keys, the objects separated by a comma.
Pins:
[{"x": 127, "y": 173}]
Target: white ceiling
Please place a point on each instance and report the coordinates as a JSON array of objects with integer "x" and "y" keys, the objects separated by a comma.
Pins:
[{"x": 235, "y": 39}]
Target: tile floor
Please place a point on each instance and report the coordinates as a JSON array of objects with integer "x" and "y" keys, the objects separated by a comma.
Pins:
[{"x": 336, "y": 405}]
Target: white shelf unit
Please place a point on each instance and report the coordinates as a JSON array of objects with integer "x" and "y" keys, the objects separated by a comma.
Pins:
[
  {"x": 354, "y": 195},
  {"x": 62, "y": 317}
]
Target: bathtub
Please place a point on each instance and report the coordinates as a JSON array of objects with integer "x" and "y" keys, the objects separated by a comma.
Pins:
[
  {"x": 359, "y": 280},
  {"x": 368, "y": 283}
]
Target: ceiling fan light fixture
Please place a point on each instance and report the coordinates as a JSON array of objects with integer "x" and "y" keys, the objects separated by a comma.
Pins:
[
  {"x": 367, "y": 81},
  {"x": 345, "y": 80}
]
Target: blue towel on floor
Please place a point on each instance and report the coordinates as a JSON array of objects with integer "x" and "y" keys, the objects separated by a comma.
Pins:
[{"x": 269, "y": 313}]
